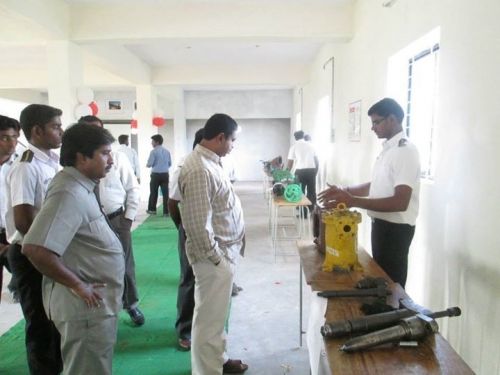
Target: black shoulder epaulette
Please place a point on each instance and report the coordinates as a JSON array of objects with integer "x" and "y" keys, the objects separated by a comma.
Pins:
[
  {"x": 27, "y": 156},
  {"x": 402, "y": 142}
]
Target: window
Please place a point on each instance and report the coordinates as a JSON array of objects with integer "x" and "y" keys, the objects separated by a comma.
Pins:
[
  {"x": 420, "y": 105},
  {"x": 413, "y": 82}
]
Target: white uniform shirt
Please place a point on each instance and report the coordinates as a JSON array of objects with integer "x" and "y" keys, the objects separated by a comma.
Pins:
[
  {"x": 27, "y": 183},
  {"x": 303, "y": 155},
  {"x": 173, "y": 190},
  {"x": 397, "y": 164},
  {"x": 4, "y": 169},
  {"x": 132, "y": 157},
  {"x": 119, "y": 189}
]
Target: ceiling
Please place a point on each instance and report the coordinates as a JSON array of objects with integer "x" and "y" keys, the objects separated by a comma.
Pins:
[{"x": 177, "y": 41}]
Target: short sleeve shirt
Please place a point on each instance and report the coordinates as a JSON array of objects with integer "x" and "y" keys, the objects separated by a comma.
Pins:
[
  {"x": 4, "y": 169},
  {"x": 303, "y": 155},
  {"x": 72, "y": 225},
  {"x": 397, "y": 164},
  {"x": 173, "y": 190},
  {"x": 27, "y": 182}
]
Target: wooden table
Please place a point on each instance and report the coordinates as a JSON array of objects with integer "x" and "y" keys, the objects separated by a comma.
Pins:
[{"x": 433, "y": 355}]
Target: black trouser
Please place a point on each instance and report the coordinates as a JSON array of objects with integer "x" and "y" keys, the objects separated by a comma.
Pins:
[
  {"x": 122, "y": 228},
  {"x": 3, "y": 259},
  {"x": 307, "y": 178},
  {"x": 42, "y": 338},
  {"x": 158, "y": 180},
  {"x": 185, "y": 291},
  {"x": 390, "y": 246}
]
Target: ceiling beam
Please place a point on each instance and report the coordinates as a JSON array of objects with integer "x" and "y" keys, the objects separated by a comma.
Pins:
[{"x": 131, "y": 21}]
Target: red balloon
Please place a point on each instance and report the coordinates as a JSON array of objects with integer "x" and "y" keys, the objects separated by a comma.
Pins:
[
  {"x": 94, "y": 108},
  {"x": 158, "y": 121},
  {"x": 133, "y": 124}
]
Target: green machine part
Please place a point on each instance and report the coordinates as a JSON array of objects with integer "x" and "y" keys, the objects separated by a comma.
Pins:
[
  {"x": 280, "y": 175},
  {"x": 293, "y": 193}
]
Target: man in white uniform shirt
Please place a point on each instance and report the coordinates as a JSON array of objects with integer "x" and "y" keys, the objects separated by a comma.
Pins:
[
  {"x": 213, "y": 219},
  {"x": 9, "y": 132},
  {"x": 120, "y": 196},
  {"x": 185, "y": 291},
  {"x": 391, "y": 197},
  {"x": 131, "y": 155},
  {"x": 27, "y": 183},
  {"x": 302, "y": 157}
]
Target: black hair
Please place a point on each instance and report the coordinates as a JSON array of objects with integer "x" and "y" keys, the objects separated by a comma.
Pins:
[
  {"x": 83, "y": 139},
  {"x": 89, "y": 120},
  {"x": 157, "y": 138},
  {"x": 219, "y": 123},
  {"x": 37, "y": 114},
  {"x": 299, "y": 134},
  {"x": 122, "y": 139},
  {"x": 9, "y": 123},
  {"x": 198, "y": 136},
  {"x": 387, "y": 107}
]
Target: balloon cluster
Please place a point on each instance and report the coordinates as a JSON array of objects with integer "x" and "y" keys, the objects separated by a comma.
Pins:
[{"x": 86, "y": 104}]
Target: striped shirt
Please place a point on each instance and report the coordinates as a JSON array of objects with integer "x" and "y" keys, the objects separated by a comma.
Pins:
[{"x": 211, "y": 212}]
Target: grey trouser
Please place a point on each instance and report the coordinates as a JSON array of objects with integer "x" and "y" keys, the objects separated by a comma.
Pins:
[
  {"x": 122, "y": 227},
  {"x": 87, "y": 345}
]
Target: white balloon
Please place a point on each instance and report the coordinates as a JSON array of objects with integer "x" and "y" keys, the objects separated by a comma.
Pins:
[
  {"x": 158, "y": 112},
  {"x": 85, "y": 95},
  {"x": 82, "y": 110}
]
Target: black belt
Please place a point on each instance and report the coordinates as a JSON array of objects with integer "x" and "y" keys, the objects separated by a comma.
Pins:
[{"x": 118, "y": 212}]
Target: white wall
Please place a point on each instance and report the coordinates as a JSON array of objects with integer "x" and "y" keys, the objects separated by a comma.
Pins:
[
  {"x": 454, "y": 257},
  {"x": 264, "y": 116},
  {"x": 260, "y": 139},
  {"x": 239, "y": 104}
]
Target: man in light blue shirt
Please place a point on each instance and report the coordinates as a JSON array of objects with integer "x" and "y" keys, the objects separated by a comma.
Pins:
[{"x": 159, "y": 161}]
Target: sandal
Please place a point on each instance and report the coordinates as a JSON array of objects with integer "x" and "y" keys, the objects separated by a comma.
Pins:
[{"x": 234, "y": 366}]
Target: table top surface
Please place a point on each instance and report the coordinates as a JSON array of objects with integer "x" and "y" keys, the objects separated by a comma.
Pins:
[
  {"x": 433, "y": 355},
  {"x": 281, "y": 201}
]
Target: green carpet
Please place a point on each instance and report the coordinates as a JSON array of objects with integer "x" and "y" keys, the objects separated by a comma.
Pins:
[{"x": 147, "y": 350}]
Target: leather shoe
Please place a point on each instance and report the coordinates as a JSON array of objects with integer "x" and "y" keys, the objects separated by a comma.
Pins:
[
  {"x": 137, "y": 316},
  {"x": 234, "y": 366},
  {"x": 184, "y": 345}
]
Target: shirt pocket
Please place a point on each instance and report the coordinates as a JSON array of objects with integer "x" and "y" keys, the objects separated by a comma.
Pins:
[{"x": 102, "y": 234}]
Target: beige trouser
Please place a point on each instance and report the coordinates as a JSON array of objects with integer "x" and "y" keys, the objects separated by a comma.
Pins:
[
  {"x": 87, "y": 345},
  {"x": 212, "y": 294}
]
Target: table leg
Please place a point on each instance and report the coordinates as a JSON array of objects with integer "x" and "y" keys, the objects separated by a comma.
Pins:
[{"x": 300, "y": 303}]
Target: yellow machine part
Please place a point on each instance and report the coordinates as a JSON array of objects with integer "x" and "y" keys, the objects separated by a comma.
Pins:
[{"x": 341, "y": 238}]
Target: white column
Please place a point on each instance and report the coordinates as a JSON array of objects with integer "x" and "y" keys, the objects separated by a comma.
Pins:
[
  {"x": 179, "y": 124},
  {"x": 146, "y": 101},
  {"x": 65, "y": 74}
]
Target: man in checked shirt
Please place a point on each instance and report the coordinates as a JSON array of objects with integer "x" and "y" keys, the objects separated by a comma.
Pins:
[{"x": 213, "y": 220}]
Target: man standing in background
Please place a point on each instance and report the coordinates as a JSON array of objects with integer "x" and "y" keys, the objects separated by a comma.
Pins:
[
  {"x": 27, "y": 183},
  {"x": 131, "y": 155},
  {"x": 392, "y": 196},
  {"x": 159, "y": 161},
  {"x": 185, "y": 291},
  {"x": 9, "y": 133},
  {"x": 302, "y": 157}
]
